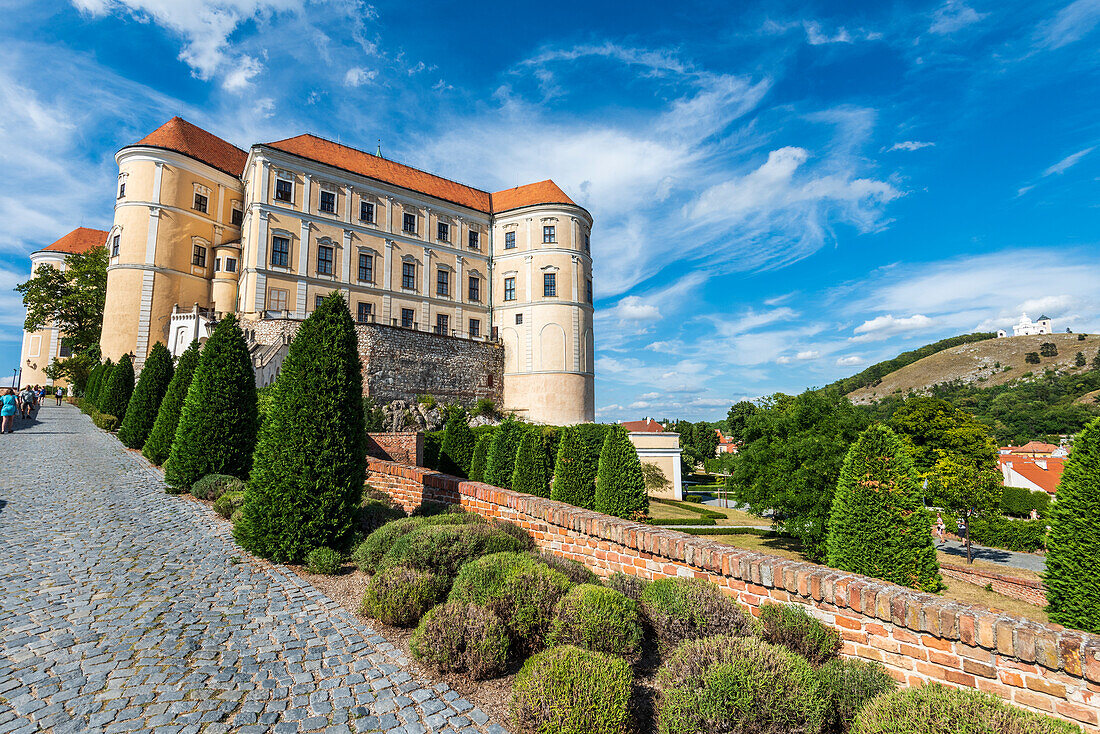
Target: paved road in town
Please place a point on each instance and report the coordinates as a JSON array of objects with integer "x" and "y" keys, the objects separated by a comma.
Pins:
[{"x": 126, "y": 609}]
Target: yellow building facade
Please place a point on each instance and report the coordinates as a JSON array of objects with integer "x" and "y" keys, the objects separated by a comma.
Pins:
[{"x": 266, "y": 233}]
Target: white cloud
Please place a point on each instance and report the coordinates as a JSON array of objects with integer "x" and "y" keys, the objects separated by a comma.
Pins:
[
  {"x": 953, "y": 16},
  {"x": 1067, "y": 163},
  {"x": 909, "y": 145},
  {"x": 633, "y": 308},
  {"x": 1071, "y": 23},
  {"x": 1046, "y": 305},
  {"x": 357, "y": 76},
  {"x": 882, "y": 327},
  {"x": 849, "y": 361},
  {"x": 807, "y": 355},
  {"x": 783, "y": 360}
]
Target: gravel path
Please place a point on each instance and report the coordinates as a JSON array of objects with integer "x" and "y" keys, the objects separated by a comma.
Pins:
[{"x": 126, "y": 609}]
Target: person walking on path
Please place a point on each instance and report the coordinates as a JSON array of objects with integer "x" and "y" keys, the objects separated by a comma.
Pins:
[
  {"x": 940, "y": 527},
  {"x": 59, "y": 392},
  {"x": 26, "y": 401},
  {"x": 8, "y": 409}
]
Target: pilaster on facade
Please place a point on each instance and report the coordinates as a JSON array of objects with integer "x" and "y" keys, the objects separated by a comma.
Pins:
[
  {"x": 151, "y": 236},
  {"x": 303, "y": 249},
  {"x": 300, "y": 305},
  {"x": 345, "y": 265},
  {"x": 144, "y": 318},
  {"x": 307, "y": 194}
]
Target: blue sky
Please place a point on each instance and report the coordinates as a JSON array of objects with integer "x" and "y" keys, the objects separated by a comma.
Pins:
[{"x": 783, "y": 192}]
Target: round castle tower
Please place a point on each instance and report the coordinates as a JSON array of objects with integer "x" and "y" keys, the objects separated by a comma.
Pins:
[
  {"x": 178, "y": 209},
  {"x": 542, "y": 303}
]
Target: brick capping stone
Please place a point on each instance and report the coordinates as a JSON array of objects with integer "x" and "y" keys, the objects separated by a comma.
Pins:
[
  {"x": 918, "y": 637},
  {"x": 1029, "y": 590}
]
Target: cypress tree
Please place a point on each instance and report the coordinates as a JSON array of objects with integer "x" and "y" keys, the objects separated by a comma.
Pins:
[
  {"x": 116, "y": 396},
  {"x": 500, "y": 461},
  {"x": 159, "y": 444},
  {"x": 481, "y": 452},
  {"x": 533, "y": 470},
  {"x": 101, "y": 386},
  {"x": 147, "y": 397},
  {"x": 1073, "y": 547},
  {"x": 878, "y": 525},
  {"x": 93, "y": 382},
  {"x": 573, "y": 484},
  {"x": 457, "y": 449},
  {"x": 307, "y": 479},
  {"x": 217, "y": 427},
  {"x": 620, "y": 486}
]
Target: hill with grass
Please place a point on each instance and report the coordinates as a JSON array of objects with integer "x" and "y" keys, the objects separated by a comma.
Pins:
[{"x": 979, "y": 363}]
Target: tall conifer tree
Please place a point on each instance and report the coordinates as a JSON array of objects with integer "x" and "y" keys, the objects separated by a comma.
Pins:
[
  {"x": 620, "y": 485},
  {"x": 481, "y": 453},
  {"x": 878, "y": 525},
  {"x": 500, "y": 462},
  {"x": 573, "y": 484},
  {"x": 457, "y": 449},
  {"x": 533, "y": 469},
  {"x": 145, "y": 402},
  {"x": 1072, "y": 579},
  {"x": 308, "y": 475},
  {"x": 116, "y": 396},
  {"x": 216, "y": 433},
  {"x": 101, "y": 386},
  {"x": 159, "y": 443}
]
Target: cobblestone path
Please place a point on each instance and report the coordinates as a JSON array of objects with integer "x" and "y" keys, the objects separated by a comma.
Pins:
[{"x": 126, "y": 609}]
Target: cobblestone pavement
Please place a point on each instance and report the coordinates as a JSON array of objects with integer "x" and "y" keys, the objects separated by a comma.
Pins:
[{"x": 126, "y": 609}]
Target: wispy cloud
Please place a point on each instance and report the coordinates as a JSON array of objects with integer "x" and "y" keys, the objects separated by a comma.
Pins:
[
  {"x": 1070, "y": 24},
  {"x": 1067, "y": 163},
  {"x": 953, "y": 16},
  {"x": 357, "y": 76},
  {"x": 882, "y": 327},
  {"x": 909, "y": 145}
]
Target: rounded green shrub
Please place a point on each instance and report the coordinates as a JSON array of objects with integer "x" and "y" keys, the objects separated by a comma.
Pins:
[
  {"x": 229, "y": 503},
  {"x": 373, "y": 514},
  {"x": 522, "y": 591},
  {"x": 520, "y": 534},
  {"x": 686, "y": 609},
  {"x": 793, "y": 628},
  {"x": 737, "y": 684},
  {"x": 631, "y": 587},
  {"x": 846, "y": 685},
  {"x": 935, "y": 709},
  {"x": 400, "y": 596},
  {"x": 576, "y": 572},
  {"x": 462, "y": 638},
  {"x": 216, "y": 433},
  {"x": 368, "y": 553},
  {"x": 620, "y": 485},
  {"x": 145, "y": 401},
  {"x": 116, "y": 395},
  {"x": 457, "y": 449},
  {"x": 325, "y": 561},
  {"x": 444, "y": 549},
  {"x": 568, "y": 690},
  {"x": 159, "y": 443},
  {"x": 598, "y": 618},
  {"x": 213, "y": 486},
  {"x": 427, "y": 508}
]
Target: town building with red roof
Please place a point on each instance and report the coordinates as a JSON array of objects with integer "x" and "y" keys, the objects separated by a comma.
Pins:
[
  {"x": 1033, "y": 473},
  {"x": 648, "y": 425},
  {"x": 204, "y": 228}
]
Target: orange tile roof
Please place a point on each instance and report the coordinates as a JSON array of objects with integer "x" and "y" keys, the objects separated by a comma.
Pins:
[
  {"x": 543, "y": 192},
  {"x": 1047, "y": 479},
  {"x": 80, "y": 239},
  {"x": 1036, "y": 447},
  {"x": 647, "y": 426},
  {"x": 181, "y": 136},
  {"x": 384, "y": 170}
]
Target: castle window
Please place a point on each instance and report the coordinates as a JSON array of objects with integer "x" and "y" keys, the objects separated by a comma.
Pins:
[
  {"x": 115, "y": 245},
  {"x": 407, "y": 318},
  {"x": 237, "y": 216},
  {"x": 284, "y": 190},
  {"x": 201, "y": 203},
  {"x": 366, "y": 268},
  {"x": 589, "y": 284},
  {"x": 475, "y": 288},
  {"x": 318, "y": 300},
  {"x": 328, "y": 202},
  {"x": 363, "y": 315},
  {"x": 230, "y": 264},
  {"x": 366, "y": 212},
  {"x": 443, "y": 232},
  {"x": 509, "y": 240},
  {"x": 587, "y": 242},
  {"x": 198, "y": 256},
  {"x": 549, "y": 285},
  {"x": 509, "y": 289},
  {"x": 475, "y": 328},
  {"x": 548, "y": 233},
  {"x": 121, "y": 189},
  {"x": 408, "y": 276},
  {"x": 65, "y": 351},
  {"x": 217, "y": 265},
  {"x": 408, "y": 223},
  {"x": 475, "y": 240},
  {"x": 280, "y": 251},
  {"x": 442, "y": 283},
  {"x": 324, "y": 260},
  {"x": 519, "y": 318},
  {"x": 442, "y": 324},
  {"x": 276, "y": 299}
]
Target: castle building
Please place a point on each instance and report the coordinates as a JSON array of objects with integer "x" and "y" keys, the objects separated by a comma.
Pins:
[{"x": 203, "y": 228}]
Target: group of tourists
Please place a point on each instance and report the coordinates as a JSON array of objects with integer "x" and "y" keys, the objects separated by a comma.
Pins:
[{"x": 24, "y": 404}]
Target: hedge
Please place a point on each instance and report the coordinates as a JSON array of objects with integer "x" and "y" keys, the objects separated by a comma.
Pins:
[
  {"x": 477, "y": 460},
  {"x": 500, "y": 461},
  {"x": 1026, "y": 536},
  {"x": 457, "y": 448},
  {"x": 533, "y": 467},
  {"x": 120, "y": 386},
  {"x": 1019, "y": 502}
]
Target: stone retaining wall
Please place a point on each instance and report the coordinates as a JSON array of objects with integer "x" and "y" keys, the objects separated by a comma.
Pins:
[
  {"x": 918, "y": 637},
  {"x": 1027, "y": 590}
]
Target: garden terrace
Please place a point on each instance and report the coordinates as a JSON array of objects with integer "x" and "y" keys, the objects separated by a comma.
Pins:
[{"x": 918, "y": 637}]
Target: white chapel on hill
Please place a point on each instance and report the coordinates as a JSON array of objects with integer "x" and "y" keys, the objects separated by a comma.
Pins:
[{"x": 1027, "y": 327}]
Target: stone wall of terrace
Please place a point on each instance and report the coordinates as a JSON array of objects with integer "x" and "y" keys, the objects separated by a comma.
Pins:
[{"x": 918, "y": 637}]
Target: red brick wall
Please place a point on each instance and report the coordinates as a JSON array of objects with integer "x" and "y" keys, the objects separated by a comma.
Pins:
[
  {"x": 918, "y": 637},
  {"x": 1017, "y": 588},
  {"x": 406, "y": 447}
]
